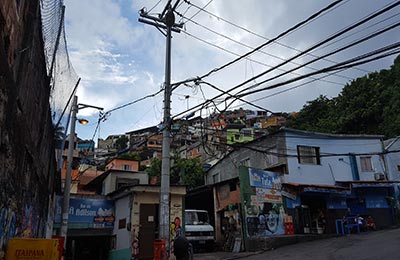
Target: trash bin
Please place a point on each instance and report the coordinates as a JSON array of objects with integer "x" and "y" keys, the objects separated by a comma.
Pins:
[{"x": 159, "y": 249}]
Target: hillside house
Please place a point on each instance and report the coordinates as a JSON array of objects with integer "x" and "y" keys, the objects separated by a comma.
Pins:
[{"x": 316, "y": 172}]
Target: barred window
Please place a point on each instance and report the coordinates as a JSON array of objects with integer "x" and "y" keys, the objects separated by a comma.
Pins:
[
  {"x": 366, "y": 164},
  {"x": 308, "y": 155}
]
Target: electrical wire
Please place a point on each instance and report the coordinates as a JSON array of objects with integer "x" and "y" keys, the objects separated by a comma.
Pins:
[
  {"x": 219, "y": 18},
  {"x": 338, "y": 66},
  {"x": 313, "y": 16}
]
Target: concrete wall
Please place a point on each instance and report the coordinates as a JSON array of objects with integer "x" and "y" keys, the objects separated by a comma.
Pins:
[
  {"x": 332, "y": 168},
  {"x": 111, "y": 180},
  {"x": 122, "y": 213},
  {"x": 27, "y": 163},
  {"x": 228, "y": 168}
]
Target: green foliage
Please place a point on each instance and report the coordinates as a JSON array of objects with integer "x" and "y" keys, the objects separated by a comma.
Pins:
[
  {"x": 121, "y": 142},
  {"x": 368, "y": 105},
  {"x": 155, "y": 168},
  {"x": 130, "y": 156},
  {"x": 190, "y": 171},
  {"x": 183, "y": 171}
]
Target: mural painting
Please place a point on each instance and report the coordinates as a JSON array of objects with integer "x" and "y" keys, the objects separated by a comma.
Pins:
[
  {"x": 18, "y": 218},
  {"x": 176, "y": 231},
  {"x": 262, "y": 202},
  {"x": 135, "y": 245}
]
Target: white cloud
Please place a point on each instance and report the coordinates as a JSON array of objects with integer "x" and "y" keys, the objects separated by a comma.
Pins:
[{"x": 121, "y": 60}]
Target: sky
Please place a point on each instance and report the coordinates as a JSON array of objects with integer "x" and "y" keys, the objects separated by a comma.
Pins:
[{"x": 121, "y": 60}]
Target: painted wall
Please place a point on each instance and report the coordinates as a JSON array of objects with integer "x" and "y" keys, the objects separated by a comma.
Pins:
[
  {"x": 333, "y": 168},
  {"x": 122, "y": 214},
  {"x": 393, "y": 167},
  {"x": 261, "y": 202},
  {"x": 151, "y": 195},
  {"x": 118, "y": 164}
]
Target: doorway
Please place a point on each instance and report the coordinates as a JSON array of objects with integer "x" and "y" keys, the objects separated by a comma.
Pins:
[{"x": 148, "y": 231}]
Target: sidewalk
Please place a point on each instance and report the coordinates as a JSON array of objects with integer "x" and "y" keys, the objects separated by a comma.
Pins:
[
  {"x": 267, "y": 244},
  {"x": 223, "y": 255}
]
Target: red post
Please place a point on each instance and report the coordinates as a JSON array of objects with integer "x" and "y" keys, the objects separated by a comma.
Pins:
[{"x": 159, "y": 249}]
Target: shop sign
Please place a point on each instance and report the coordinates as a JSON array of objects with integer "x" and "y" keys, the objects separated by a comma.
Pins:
[
  {"x": 264, "y": 179},
  {"x": 95, "y": 213},
  {"x": 32, "y": 249}
]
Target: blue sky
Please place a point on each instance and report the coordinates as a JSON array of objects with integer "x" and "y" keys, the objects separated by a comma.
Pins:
[{"x": 121, "y": 60}]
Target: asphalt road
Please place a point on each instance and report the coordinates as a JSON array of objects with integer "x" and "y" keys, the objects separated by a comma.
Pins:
[{"x": 381, "y": 245}]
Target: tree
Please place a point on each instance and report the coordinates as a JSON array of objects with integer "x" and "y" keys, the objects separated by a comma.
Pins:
[
  {"x": 183, "y": 171},
  {"x": 130, "y": 156},
  {"x": 189, "y": 172},
  {"x": 368, "y": 105}
]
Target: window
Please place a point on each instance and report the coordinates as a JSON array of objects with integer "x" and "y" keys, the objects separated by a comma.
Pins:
[
  {"x": 308, "y": 155},
  {"x": 126, "y": 167},
  {"x": 122, "y": 223},
  {"x": 366, "y": 164}
]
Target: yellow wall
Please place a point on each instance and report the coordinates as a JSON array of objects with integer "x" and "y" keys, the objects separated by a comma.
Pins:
[{"x": 151, "y": 195}]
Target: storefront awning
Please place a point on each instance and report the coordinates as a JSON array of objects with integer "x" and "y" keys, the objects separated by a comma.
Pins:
[
  {"x": 320, "y": 188},
  {"x": 371, "y": 184},
  {"x": 375, "y": 185}
]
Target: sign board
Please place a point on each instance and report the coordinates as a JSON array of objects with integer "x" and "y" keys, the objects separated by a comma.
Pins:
[
  {"x": 264, "y": 179},
  {"x": 32, "y": 249},
  {"x": 93, "y": 213}
]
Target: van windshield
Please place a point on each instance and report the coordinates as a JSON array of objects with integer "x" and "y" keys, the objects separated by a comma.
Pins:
[{"x": 196, "y": 218}]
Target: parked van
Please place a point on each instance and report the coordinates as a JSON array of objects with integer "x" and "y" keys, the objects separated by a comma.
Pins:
[{"x": 198, "y": 230}]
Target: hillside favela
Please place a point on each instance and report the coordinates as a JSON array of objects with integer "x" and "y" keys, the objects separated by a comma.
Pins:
[{"x": 204, "y": 129}]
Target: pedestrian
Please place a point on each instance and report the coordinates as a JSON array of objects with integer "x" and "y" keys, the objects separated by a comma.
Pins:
[{"x": 181, "y": 248}]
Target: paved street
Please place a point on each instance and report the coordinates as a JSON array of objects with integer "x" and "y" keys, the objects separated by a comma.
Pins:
[{"x": 374, "y": 245}]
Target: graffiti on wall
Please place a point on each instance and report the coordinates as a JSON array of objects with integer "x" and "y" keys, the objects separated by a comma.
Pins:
[
  {"x": 176, "y": 231},
  {"x": 262, "y": 202},
  {"x": 17, "y": 219},
  {"x": 135, "y": 245}
]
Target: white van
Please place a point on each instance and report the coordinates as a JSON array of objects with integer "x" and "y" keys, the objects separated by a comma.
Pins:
[{"x": 198, "y": 230}]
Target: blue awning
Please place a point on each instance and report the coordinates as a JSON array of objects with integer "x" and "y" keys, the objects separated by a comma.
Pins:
[
  {"x": 372, "y": 185},
  {"x": 324, "y": 190}
]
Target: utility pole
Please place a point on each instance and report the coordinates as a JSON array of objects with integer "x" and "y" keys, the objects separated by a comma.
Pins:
[
  {"x": 68, "y": 177},
  {"x": 167, "y": 18},
  {"x": 67, "y": 183}
]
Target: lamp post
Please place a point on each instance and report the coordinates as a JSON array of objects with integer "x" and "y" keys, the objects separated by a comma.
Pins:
[{"x": 67, "y": 185}]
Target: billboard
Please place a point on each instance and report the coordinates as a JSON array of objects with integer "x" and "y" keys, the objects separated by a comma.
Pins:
[
  {"x": 261, "y": 195},
  {"x": 87, "y": 213}
]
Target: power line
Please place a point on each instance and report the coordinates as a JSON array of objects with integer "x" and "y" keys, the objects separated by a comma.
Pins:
[
  {"x": 313, "y": 16},
  {"x": 219, "y": 18},
  {"x": 333, "y": 52},
  {"x": 248, "y": 46},
  {"x": 342, "y": 65},
  {"x": 369, "y": 17},
  {"x": 338, "y": 66}
]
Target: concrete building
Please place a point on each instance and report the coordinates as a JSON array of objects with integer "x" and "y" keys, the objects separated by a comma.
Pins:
[
  {"x": 316, "y": 173},
  {"x": 137, "y": 219}
]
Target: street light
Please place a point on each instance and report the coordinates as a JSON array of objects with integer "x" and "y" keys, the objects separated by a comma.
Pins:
[{"x": 67, "y": 185}]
